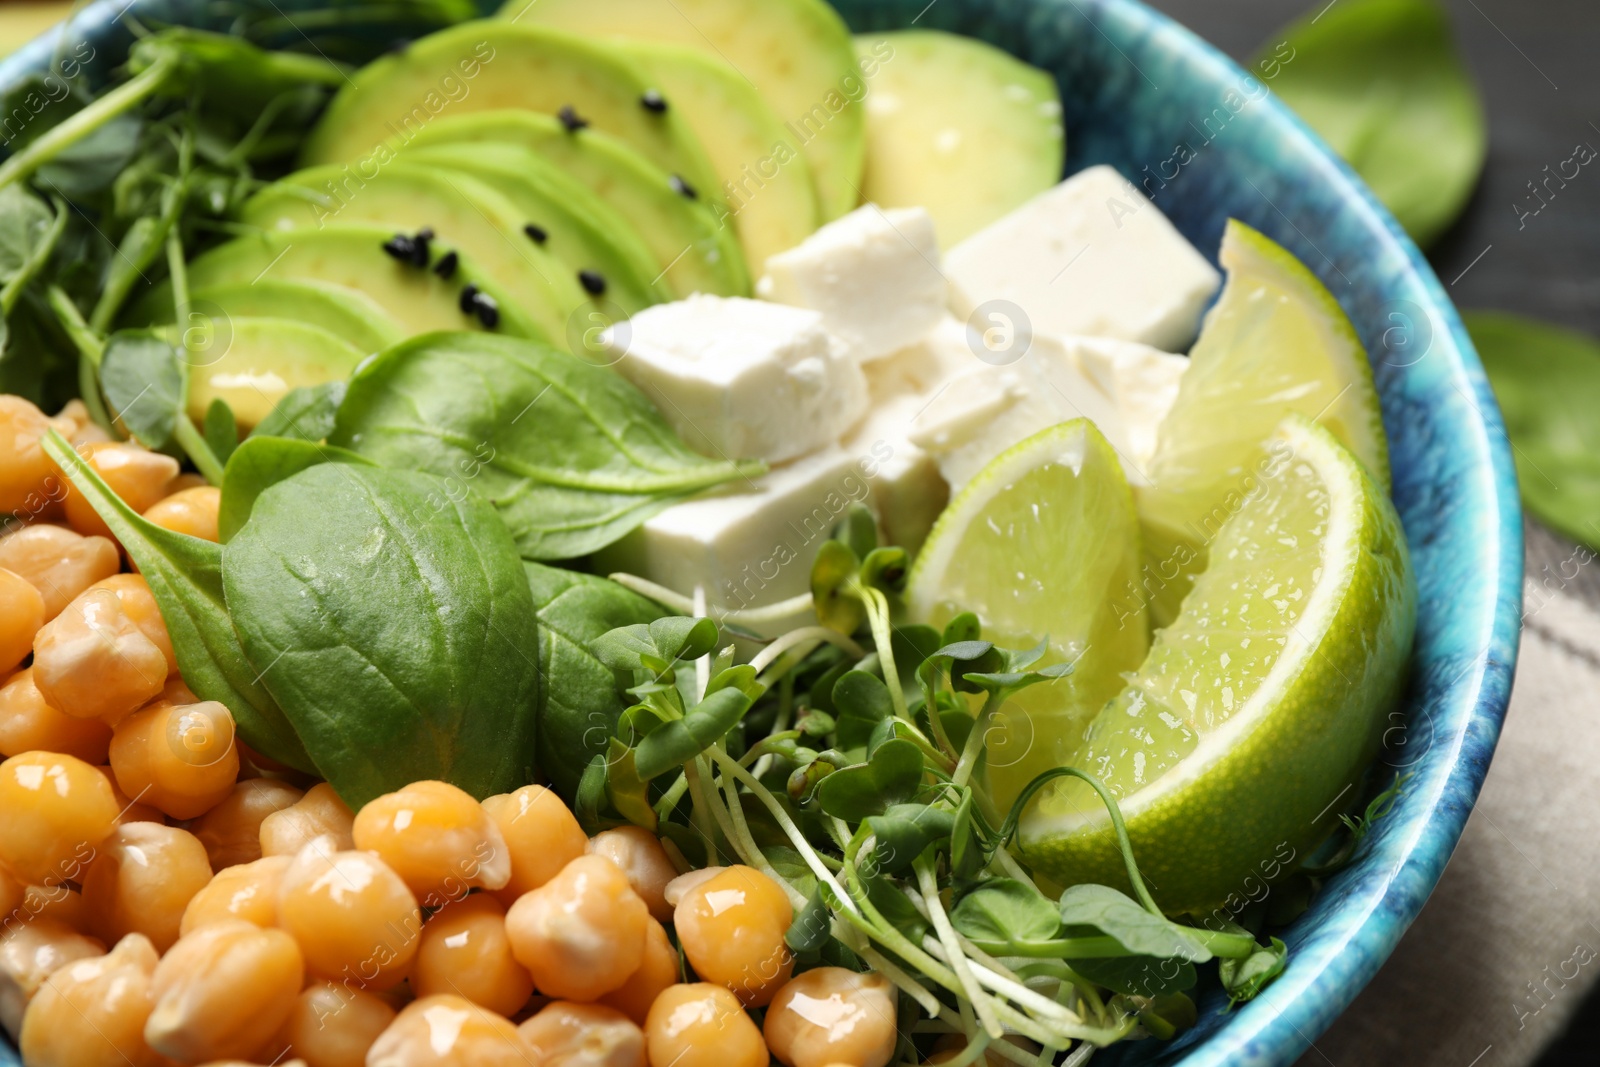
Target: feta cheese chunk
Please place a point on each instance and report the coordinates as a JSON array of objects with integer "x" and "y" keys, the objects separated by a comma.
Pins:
[
  {"x": 873, "y": 274},
  {"x": 741, "y": 378},
  {"x": 908, "y": 492},
  {"x": 1140, "y": 380},
  {"x": 1091, "y": 256},
  {"x": 977, "y": 415},
  {"x": 751, "y": 543}
]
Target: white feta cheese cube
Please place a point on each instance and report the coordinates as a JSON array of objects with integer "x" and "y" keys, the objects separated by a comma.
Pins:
[
  {"x": 978, "y": 415},
  {"x": 741, "y": 378},
  {"x": 908, "y": 492},
  {"x": 750, "y": 544},
  {"x": 1142, "y": 382},
  {"x": 1091, "y": 256},
  {"x": 920, "y": 369},
  {"x": 873, "y": 274}
]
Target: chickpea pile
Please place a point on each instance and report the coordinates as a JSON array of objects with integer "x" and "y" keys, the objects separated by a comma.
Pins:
[{"x": 170, "y": 897}]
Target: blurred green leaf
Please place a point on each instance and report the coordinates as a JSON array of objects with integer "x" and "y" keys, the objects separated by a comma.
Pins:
[{"x": 1381, "y": 81}]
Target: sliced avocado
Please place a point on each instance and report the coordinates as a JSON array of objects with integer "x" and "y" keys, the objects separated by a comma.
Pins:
[
  {"x": 352, "y": 257},
  {"x": 766, "y": 181},
  {"x": 958, "y": 127},
  {"x": 578, "y": 227},
  {"x": 698, "y": 253},
  {"x": 466, "y": 216},
  {"x": 344, "y": 313},
  {"x": 797, "y": 53},
  {"x": 257, "y": 360},
  {"x": 482, "y": 66}
]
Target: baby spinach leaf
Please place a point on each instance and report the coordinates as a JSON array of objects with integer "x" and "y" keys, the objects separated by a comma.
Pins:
[
  {"x": 892, "y": 776},
  {"x": 262, "y": 462},
  {"x": 305, "y": 413},
  {"x": 1244, "y": 978},
  {"x": 1006, "y": 911},
  {"x": 1381, "y": 81},
  {"x": 579, "y": 703},
  {"x": 394, "y": 627},
  {"x": 143, "y": 379},
  {"x": 1099, "y": 909},
  {"x": 1547, "y": 380},
  {"x": 677, "y": 742},
  {"x": 185, "y": 575},
  {"x": 221, "y": 430},
  {"x": 571, "y": 454}
]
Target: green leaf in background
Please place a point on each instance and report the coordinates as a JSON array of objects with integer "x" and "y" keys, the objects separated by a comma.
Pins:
[
  {"x": 1380, "y": 80},
  {"x": 1547, "y": 380},
  {"x": 221, "y": 430},
  {"x": 259, "y": 464},
  {"x": 305, "y": 413},
  {"x": 142, "y": 377}
]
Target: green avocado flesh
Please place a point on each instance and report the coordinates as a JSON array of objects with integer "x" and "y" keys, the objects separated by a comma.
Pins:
[
  {"x": 253, "y": 362},
  {"x": 797, "y": 54},
  {"x": 345, "y": 313},
  {"x": 697, "y": 252},
  {"x": 466, "y": 216},
  {"x": 352, "y": 257},
  {"x": 579, "y": 229},
  {"x": 483, "y": 66},
  {"x": 958, "y": 127}
]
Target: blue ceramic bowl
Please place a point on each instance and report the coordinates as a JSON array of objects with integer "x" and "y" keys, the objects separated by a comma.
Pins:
[{"x": 1208, "y": 141}]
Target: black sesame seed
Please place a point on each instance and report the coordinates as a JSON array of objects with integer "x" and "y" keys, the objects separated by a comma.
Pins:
[
  {"x": 654, "y": 102},
  {"x": 488, "y": 311},
  {"x": 469, "y": 298},
  {"x": 446, "y": 267},
  {"x": 593, "y": 282},
  {"x": 420, "y": 252},
  {"x": 537, "y": 233},
  {"x": 683, "y": 188},
  {"x": 400, "y": 247},
  {"x": 426, "y": 234},
  {"x": 571, "y": 119}
]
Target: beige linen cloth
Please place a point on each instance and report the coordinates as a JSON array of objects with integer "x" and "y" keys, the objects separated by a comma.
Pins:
[{"x": 1509, "y": 944}]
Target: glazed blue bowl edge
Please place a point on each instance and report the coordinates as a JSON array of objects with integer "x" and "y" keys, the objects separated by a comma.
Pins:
[{"x": 1207, "y": 140}]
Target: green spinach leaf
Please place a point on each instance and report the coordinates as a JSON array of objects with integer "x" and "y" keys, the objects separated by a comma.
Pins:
[
  {"x": 305, "y": 413},
  {"x": 1548, "y": 383},
  {"x": 143, "y": 379},
  {"x": 221, "y": 430},
  {"x": 262, "y": 462},
  {"x": 1380, "y": 80},
  {"x": 185, "y": 575},
  {"x": 573, "y": 455},
  {"x": 399, "y": 636},
  {"x": 579, "y": 703}
]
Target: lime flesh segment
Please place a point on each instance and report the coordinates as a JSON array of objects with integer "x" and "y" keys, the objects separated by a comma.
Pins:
[
  {"x": 1043, "y": 543},
  {"x": 1256, "y": 711},
  {"x": 1276, "y": 344}
]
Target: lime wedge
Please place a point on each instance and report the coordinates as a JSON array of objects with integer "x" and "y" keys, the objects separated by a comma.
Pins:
[
  {"x": 1275, "y": 344},
  {"x": 1043, "y": 543},
  {"x": 1255, "y": 712}
]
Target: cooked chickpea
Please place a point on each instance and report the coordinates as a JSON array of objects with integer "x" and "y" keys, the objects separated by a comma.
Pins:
[
  {"x": 247, "y": 891},
  {"x": 13, "y": 892},
  {"x": 178, "y": 758},
  {"x": 30, "y": 952},
  {"x": 21, "y": 616},
  {"x": 223, "y": 991},
  {"x": 564, "y": 1034},
  {"x": 354, "y": 918},
  {"x": 58, "y": 903},
  {"x": 141, "y": 880},
  {"x": 732, "y": 927},
  {"x": 447, "y": 1031},
  {"x": 679, "y": 887},
  {"x": 58, "y": 809},
  {"x": 25, "y": 470},
  {"x": 582, "y": 933},
  {"x": 74, "y": 420},
  {"x": 231, "y": 831},
  {"x": 702, "y": 1025},
  {"x": 640, "y": 855},
  {"x": 28, "y": 723},
  {"x": 93, "y": 661},
  {"x": 464, "y": 950},
  {"x": 139, "y": 604},
  {"x": 437, "y": 838},
  {"x": 832, "y": 1015},
  {"x": 91, "y": 1013},
  {"x": 541, "y": 834},
  {"x": 658, "y": 971},
  {"x": 136, "y": 474},
  {"x": 189, "y": 511},
  {"x": 333, "y": 1025},
  {"x": 58, "y": 562},
  {"x": 317, "y": 814},
  {"x": 128, "y": 809}
]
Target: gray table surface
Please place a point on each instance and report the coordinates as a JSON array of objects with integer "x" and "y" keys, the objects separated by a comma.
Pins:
[{"x": 1537, "y": 63}]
